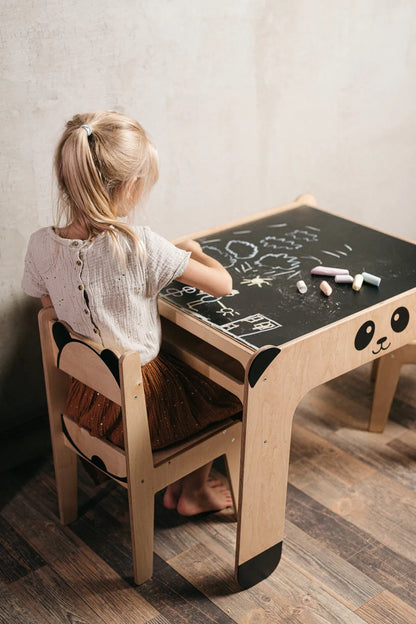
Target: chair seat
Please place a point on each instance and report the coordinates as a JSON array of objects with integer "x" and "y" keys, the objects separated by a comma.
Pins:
[{"x": 111, "y": 459}]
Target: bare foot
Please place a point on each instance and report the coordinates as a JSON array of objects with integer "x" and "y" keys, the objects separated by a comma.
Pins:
[
  {"x": 213, "y": 496},
  {"x": 172, "y": 494}
]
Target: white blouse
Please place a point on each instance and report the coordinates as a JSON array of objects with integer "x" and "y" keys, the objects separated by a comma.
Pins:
[{"x": 103, "y": 295}]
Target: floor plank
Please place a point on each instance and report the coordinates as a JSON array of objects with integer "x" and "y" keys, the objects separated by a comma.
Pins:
[
  {"x": 348, "y": 554},
  {"x": 336, "y": 575},
  {"x": 105, "y": 591},
  {"x": 388, "y": 609},
  {"x": 373, "y": 505},
  {"x": 406, "y": 446},
  {"x": 289, "y": 594},
  {"x": 60, "y": 602},
  {"x": 16, "y": 555},
  {"x": 15, "y": 608}
]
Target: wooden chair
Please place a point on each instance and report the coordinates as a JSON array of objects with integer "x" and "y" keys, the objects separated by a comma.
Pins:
[
  {"x": 386, "y": 373},
  {"x": 136, "y": 468}
]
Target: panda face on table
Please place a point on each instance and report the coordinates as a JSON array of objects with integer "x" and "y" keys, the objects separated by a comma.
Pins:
[{"x": 367, "y": 333}]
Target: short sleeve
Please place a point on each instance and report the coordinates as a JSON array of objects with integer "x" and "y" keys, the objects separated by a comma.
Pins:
[
  {"x": 32, "y": 282},
  {"x": 164, "y": 261}
]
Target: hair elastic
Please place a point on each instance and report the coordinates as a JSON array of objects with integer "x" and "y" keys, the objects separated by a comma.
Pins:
[{"x": 88, "y": 129}]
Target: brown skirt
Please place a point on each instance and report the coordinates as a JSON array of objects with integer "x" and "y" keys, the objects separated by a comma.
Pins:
[{"x": 179, "y": 400}]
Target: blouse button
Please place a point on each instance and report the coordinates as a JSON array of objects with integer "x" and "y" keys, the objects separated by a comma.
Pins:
[
  {"x": 86, "y": 311},
  {"x": 95, "y": 330},
  {"x": 79, "y": 262},
  {"x": 74, "y": 243},
  {"x": 80, "y": 287}
]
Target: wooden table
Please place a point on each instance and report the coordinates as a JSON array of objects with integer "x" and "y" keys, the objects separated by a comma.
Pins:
[{"x": 269, "y": 344}]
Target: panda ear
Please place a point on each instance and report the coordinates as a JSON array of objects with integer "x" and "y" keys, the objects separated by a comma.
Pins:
[
  {"x": 111, "y": 360},
  {"x": 61, "y": 335}
]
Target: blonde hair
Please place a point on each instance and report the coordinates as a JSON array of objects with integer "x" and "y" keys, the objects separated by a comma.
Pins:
[{"x": 99, "y": 168}]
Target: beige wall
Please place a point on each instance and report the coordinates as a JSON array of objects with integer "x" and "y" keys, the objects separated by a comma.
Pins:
[{"x": 250, "y": 102}]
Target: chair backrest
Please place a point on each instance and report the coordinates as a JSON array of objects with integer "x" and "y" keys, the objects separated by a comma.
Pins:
[
  {"x": 117, "y": 376},
  {"x": 86, "y": 361}
]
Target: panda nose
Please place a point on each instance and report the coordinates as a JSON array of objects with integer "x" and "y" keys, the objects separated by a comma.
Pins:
[{"x": 381, "y": 340}]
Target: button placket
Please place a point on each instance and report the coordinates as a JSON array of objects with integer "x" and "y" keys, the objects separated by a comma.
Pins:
[{"x": 80, "y": 263}]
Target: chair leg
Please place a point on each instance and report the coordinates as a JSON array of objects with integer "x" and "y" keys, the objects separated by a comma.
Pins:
[
  {"x": 232, "y": 462},
  {"x": 65, "y": 464},
  {"x": 388, "y": 372},
  {"x": 142, "y": 509}
]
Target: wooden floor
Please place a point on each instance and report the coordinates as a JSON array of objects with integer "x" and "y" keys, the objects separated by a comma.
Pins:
[{"x": 349, "y": 555}]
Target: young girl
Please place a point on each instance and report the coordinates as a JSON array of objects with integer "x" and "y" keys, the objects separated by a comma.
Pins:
[{"x": 103, "y": 277}]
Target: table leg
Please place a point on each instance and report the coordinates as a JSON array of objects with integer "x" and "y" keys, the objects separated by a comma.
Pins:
[{"x": 267, "y": 425}]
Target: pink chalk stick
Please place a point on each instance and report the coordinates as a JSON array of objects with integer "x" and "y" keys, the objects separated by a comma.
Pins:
[
  {"x": 329, "y": 271},
  {"x": 326, "y": 288}
]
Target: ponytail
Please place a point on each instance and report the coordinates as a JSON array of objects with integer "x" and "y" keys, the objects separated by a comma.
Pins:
[{"x": 97, "y": 157}]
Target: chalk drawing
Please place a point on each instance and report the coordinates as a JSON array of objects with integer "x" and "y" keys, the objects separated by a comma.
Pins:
[
  {"x": 227, "y": 260},
  {"x": 257, "y": 281},
  {"x": 280, "y": 261},
  {"x": 318, "y": 260},
  {"x": 224, "y": 310},
  {"x": 242, "y": 250},
  {"x": 280, "y": 243},
  {"x": 245, "y": 267},
  {"x": 303, "y": 235},
  {"x": 210, "y": 300},
  {"x": 179, "y": 292},
  {"x": 250, "y": 325},
  {"x": 330, "y": 253}
]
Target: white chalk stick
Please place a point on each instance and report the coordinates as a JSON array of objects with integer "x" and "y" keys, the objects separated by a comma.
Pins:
[
  {"x": 371, "y": 279},
  {"x": 344, "y": 279},
  {"x": 326, "y": 288},
  {"x": 329, "y": 271},
  {"x": 301, "y": 286},
  {"x": 358, "y": 282}
]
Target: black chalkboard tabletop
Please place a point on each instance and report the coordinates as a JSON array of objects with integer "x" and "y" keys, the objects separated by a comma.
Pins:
[{"x": 268, "y": 256}]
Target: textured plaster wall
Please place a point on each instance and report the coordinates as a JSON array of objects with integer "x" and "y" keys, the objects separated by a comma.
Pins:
[{"x": 250, "y": 102}]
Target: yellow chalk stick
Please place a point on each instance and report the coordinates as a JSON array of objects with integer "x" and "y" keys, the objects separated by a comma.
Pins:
[{"x": 358, "y": 282}]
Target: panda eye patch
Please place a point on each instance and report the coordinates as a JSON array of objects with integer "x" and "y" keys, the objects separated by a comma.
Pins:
[
  {"x": 399, "y": 319},
  {"x": 364, "y": 335}
]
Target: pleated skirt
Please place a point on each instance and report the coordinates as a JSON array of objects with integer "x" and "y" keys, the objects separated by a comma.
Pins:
[{"x": 180, "y": 402}]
